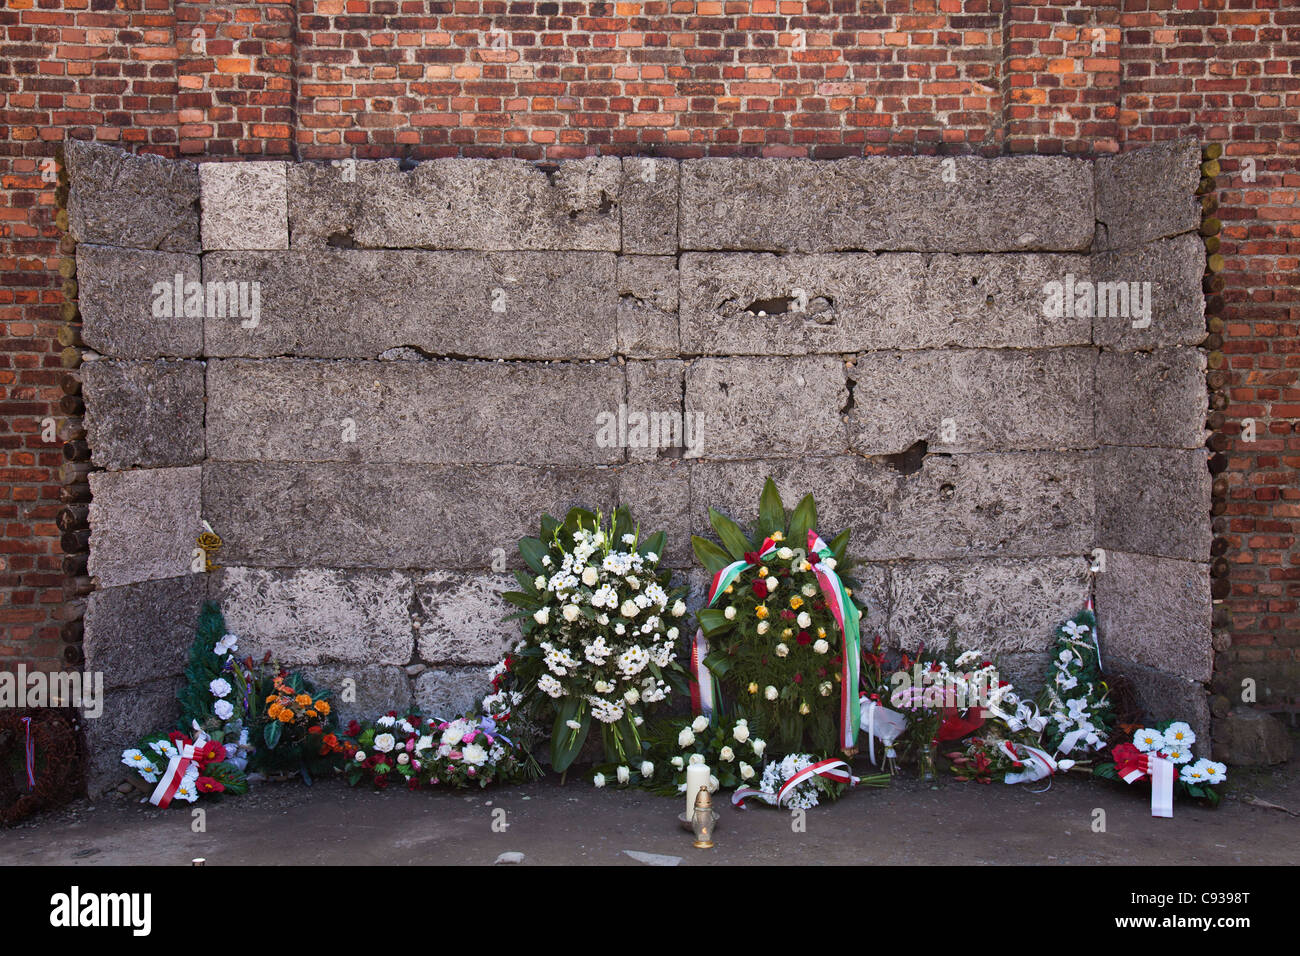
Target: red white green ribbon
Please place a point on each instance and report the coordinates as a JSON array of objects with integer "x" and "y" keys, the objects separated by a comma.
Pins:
[
  {"x": 722, "y": 580},
  {"x": 848, "y": 618},
  {"x": 702, "y": 701},
  {"x": 832, "y": 769}
]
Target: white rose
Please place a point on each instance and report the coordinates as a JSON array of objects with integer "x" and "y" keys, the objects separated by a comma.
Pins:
[
  {"x": 804, "y": 620},
  {"x": 697, "y": 758},
  {"x": 713, "y": 784},
  {"x": 542, "y": 616},
  {"x": 825, "y": 689},
  {"x": 771, "y": 583},
  {"x": 809, "y": 590},
  {"x": 629, "y": 609},
  {"x": 679, "y": 608},
  {"x": 769, "y": 692},
  {"x": 726, "y": 754},
  {"x": 672, "y": 633},
  {"x": 632, "y": 695},
  {"x": 223, "y": 710},
  {"x": 785, "y": 554},
  {"x": 685, "y": 738},
  {"x": 219, "y": 687},
  {"x": 782, "y": 650},
  {"x": 571, "y": 612},
  {"x": 729, "y": 613},
  {"x": 821, "y": 647},
  {"x": 623, "y": 774},
  {"x": 384, "y": 743},
  {"x": 539, "y": 582},
  {"x": 678, "y": 763},
  {"x": 759, "y": 746},
  {"x": 573, "y": 724},
  {"x": 830, "y": 563},
  {"x": 598, "y": 780},
  {"x": 700, "y": 724},
  {"x": 647, "y": 769},
  {"x": 746, "y": 771},
  {"x": 741, "y": 733},
  {"x": 590, "y": 576},
  {"x": 360, "y": 756},
  {"x": 403, "y": 758},
  {"x": 762, "y": 627}
]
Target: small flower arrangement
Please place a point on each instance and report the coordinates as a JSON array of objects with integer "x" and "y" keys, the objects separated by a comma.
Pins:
[
  {"x": 600, "y": 633},
  {"x": 777, "y": 648},
  {"x": 1075, "y": 699},
  {"x": 1173, "y": 741},
  {"x": 424, "y": 752},
  {"x": 803, "y": 796},
  {"x": 732, "y": 751},
  {"x": 296, "y": 728},
  {"x": 209, "y": 773}
]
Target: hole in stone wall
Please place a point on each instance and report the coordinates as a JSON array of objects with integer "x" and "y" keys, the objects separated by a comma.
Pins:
[{"x": 908, "y": 462}]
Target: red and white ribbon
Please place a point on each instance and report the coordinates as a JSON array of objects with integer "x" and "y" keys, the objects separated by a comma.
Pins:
[
  {"x": 702, "y": 700},
  {"x": 1162, "y": 786},
  {"x": 832, "y": 769},
  {"x": 1038, "y": 764},
  {"x": 174, "y": 775}
]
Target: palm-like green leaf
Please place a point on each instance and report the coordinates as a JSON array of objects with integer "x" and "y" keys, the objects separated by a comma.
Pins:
[
  {"x": 771, "y": 510},
  {"x": 709, "y": 554},
  {"x": 733, "y": 539}
]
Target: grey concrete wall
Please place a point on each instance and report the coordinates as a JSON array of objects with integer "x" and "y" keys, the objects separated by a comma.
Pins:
[{"x": 432, "y": 349}]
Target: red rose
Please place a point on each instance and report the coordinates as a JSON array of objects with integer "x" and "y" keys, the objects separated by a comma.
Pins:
[
  {"x": 788, "y": 614},
  {"x": 804, "y": 637},
  {"x": 354, "y": 728},
  {"x": 798, "y": 678},
  {"x": 759, "y": 589}
]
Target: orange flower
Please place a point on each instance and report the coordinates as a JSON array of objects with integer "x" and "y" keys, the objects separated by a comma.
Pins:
[
  {"x": 323, "y": 706},
  {"x": 303, "y": 700},
  {"x": 286, "y": 716},
  {"x": 270, "y": 697},
  {"x": 314, "y": 729},
  {"x": 310, "y": 713},
  {"x": 274, "y": 711}
]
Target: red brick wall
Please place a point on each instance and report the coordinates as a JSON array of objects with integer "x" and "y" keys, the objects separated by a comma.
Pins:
[{"x": 558, "y": 78}]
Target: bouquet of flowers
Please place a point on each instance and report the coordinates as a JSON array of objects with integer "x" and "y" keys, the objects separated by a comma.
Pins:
[
  {"x": 805, "y": 794},
  {"x": 1173, "y": 741},
  {"x": 732, "y": 751},
  {"x": 1075, "y": 698},
  {"x": 424, "y": 751},
  {"x": 296, "y": 728},
  {"x": 208, "y": 772},
  {"x": 783, "y": 625},
  {"x": 599, "y": 639}
]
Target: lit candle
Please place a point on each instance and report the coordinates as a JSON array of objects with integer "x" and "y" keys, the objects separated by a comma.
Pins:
[{"x": 697, "y": 775}]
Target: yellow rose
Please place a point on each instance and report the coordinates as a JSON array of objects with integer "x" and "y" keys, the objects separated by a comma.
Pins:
[
  {"x": 753, "y": 688},
  {"x": 762, "y": 572},
  {"x": 796, "y": 602},
  {"x": 777, "y": 536},
  {"x": 760, "y": 612}
]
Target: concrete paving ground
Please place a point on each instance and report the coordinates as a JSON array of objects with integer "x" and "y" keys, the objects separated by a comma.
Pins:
[{"x": 575, "y": 824}]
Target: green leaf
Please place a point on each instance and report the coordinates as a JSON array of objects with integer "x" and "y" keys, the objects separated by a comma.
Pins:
[
  {"x": 840, "y": 545},
  {"x": 622, "y": 524},
  {"x": 526, "y": 601},
  {"x": 525, "y": 581},
  {"x": 709, "y": 554},
  {"x": 653, "y": 545},
  {"x": 549, "y": 527},
  {"x": 718, "y": 662},
  {"x": 271, "y": 734},
  {"x": 533, "y": 551},
  {"x": 771, "y": 511},
  {"x": 566, "y": 742},
  {"x": 577, "y": 516},
  {"x": 713, "y": 620},
  {"x": 733, "y": 539},
  {"x": 802, "y": 519}
]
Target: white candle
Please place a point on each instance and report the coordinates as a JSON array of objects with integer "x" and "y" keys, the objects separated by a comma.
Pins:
[{"x": 697, "y": 775}]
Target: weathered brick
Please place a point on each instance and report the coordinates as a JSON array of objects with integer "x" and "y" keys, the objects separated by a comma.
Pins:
[
  {"x": 888, "y": 204},
  {"x": 360, "y": 304},
  {"x": 1177, "y": 315},
  {"x": 119, "y": 290},
  {"x": 412, "y": 411},
  {"x": 144, "y": 414},
  {"x": 462, "y": 617},
  {"x": 143, "y": 524}
]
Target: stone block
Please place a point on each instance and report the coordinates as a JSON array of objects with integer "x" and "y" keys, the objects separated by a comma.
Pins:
[
  {"x": 758, "y": 407},
  {"x": 1001, "y": 606},
  {"x": 138, "y": 201},
  {"x": 1154, "y": 501},
  {"x": 245, "y": 205},
  {"x": 1166, "y": 696},
  {"x": 1152, "y": 398},
  {"x": 1174, "y": 268},
  {"x": 1251, "y": 738},
  {"x": 656, "y": 425},
  {"x": 647, "y": 306},
  {"x": 462, "y": 617},
  {"x": 386, "y": 515},
  {"x": 972, "y": 400},
  {"x": 415, "y": 411},
  {"x": 360, "y": 304},
  {"x": 136, "y": 632},
  {"x": 648, "y": 205},
  {"x": 1156, "y": 612},
  {"x": 452, "y": 692},
  {"x": 127, "y": 299},
  {"x": 489, "y": 205},
  {"x": 659, "y": 495},
  {"x": 849, "y": 303},
  {"x": 378, "y": 688},
  {"x": 315, "y": 615},
  {"x": 1147, "y": 193},
  {"x": 143, "y": 524},
  {"x": 144, "y": 414},
  {"x": 920, "y": 204},
  {"x": 129, "y": 714}
]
